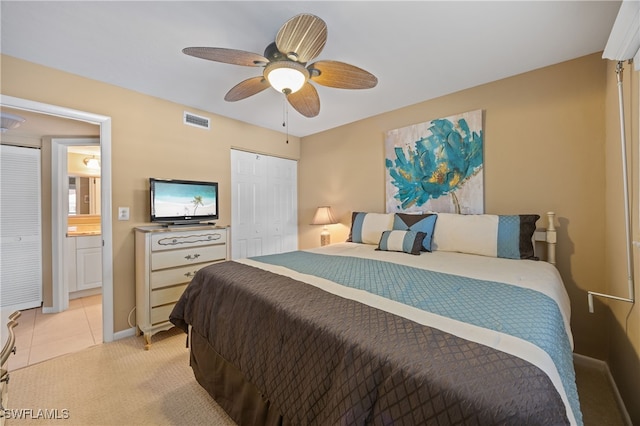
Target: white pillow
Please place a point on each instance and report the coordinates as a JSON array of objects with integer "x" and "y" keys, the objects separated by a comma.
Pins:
[
  {"x": 474, "y": 234},
  {"x": 506, "y": 236},
  {"x": 367, "y": 228}
]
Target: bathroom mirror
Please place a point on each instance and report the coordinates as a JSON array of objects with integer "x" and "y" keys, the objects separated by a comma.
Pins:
[{"x": 84, "y": 195}]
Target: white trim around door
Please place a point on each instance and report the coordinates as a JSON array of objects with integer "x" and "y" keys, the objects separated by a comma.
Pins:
[{"x": 105, "y": 158}]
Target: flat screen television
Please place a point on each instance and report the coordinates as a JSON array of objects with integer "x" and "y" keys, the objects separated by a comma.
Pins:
[{"x": 182, "y": 202}]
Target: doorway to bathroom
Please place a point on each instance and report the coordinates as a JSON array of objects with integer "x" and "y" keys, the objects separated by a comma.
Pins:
[{"x": 76, "y": 181}]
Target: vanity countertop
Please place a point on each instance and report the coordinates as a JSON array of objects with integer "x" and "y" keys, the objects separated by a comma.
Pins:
[
  {"x": 84, "y": 224},
  {"x": 83, "y": 230}
]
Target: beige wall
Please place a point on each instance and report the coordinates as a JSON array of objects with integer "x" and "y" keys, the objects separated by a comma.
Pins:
[
  {"x": 624, "y": 329},
  {"x": 148, "y": 139}
]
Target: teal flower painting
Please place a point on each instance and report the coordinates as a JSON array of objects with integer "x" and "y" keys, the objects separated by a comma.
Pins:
[{"x": 436, "y": 166}]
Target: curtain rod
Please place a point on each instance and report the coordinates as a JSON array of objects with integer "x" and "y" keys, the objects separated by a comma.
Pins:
[{"x": 625, "y": 182}]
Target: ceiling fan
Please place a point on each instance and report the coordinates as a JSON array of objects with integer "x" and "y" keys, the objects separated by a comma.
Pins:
[{"x": 298, "y": 41}]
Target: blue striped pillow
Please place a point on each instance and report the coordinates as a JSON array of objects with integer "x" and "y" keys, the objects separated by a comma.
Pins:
[
  {"x": 404, "y": 241},
  {"x": 515, "y": 233}
]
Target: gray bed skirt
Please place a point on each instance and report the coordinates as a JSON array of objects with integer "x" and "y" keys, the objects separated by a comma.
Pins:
[{"x": 243, "y": 402}]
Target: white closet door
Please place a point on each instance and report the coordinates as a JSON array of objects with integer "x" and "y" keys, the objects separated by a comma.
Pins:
[
  {"x": 248, "y": 198},
  {"x": 282, "y": 205},
  {"x": 264, "y": 218},
  {"x": 20, "y": 228}
]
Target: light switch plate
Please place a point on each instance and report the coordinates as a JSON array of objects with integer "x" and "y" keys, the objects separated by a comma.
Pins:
[{"x": 123, "y": 213}]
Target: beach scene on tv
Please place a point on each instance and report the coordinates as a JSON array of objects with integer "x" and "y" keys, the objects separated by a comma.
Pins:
[{"x": 172, "y": 199}]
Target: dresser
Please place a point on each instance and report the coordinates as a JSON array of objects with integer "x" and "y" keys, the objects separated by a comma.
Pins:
[
  {"x": 166, "y": 261},
  {"x": 8, "y": 349}
]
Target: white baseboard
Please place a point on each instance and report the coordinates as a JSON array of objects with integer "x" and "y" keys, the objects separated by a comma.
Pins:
[
  {"x": 85, "y": 293},
  {"x": 124, "y": 333},
  {"x": 604, "y": 367}
]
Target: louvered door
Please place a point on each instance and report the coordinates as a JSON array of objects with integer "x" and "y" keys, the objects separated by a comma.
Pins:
[{"x": 20, "y": 228}]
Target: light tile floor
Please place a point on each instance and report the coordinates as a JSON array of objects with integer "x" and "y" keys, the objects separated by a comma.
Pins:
[{"x": 44, "y": 336}]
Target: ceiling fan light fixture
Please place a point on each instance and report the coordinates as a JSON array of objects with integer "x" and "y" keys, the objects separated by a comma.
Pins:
[
  {"x": 285, "y": 76},
  {"x": 285, "y": 68}
]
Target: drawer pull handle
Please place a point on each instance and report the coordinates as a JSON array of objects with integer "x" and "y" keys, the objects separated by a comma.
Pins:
[
  {"x": 190, "y": 257},
  {"x": 190, "y": 274}
]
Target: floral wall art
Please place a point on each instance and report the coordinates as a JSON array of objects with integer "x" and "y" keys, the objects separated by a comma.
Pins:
[{"x": 436, "y": 166}]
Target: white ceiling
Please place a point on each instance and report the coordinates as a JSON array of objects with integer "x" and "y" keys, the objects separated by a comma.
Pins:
[{"x": 419, "y": 50}]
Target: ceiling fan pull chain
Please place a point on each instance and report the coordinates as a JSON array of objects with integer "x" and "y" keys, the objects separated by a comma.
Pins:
[
  {"x": 285, "y": 115},
  {"x": 284, "y": 109}
]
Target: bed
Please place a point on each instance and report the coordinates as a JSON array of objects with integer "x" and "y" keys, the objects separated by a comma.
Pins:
[{"x": 421, "y": 319}]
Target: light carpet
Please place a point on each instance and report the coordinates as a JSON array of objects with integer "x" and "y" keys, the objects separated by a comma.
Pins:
[{"x": 117, "y": 383}]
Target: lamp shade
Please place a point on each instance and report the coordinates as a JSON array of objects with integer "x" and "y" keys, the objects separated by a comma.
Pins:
[
  {"x": 286, "y": 76},
  {"x": 324, "y": 216}
]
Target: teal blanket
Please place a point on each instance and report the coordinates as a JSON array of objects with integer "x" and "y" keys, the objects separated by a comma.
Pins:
[{"x": 520, "y": 312}]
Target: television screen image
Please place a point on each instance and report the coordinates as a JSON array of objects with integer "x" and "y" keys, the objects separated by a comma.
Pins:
[{"x": 183, "y": 200}]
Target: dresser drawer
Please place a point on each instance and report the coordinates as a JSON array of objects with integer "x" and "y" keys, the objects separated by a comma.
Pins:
[
  {"x": 195, "y": 255},
  {"x": 161, "y": 313},
  {"x": 167, "y": 295},
  {"x": 182, "y": 239},
  {"x": 173, "y": 276}
]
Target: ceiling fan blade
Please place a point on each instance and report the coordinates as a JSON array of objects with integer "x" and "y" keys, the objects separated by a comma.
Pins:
[
  {"x": 306, "y": 100},
  {"x": 227, "y": 56},
  {"x": 246, "y": 88},
  {"x": 341, "y": 75},
  {"x": 302, "y": 37}
]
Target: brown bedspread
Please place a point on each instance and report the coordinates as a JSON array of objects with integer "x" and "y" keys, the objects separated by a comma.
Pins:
[{"x": 325, "y": 360}]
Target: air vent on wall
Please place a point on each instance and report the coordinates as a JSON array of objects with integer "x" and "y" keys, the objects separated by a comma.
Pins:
[{"x": 196, "y": 120}]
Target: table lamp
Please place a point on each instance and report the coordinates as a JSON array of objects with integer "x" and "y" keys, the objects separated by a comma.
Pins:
[{"x": 324, "y": 216}]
